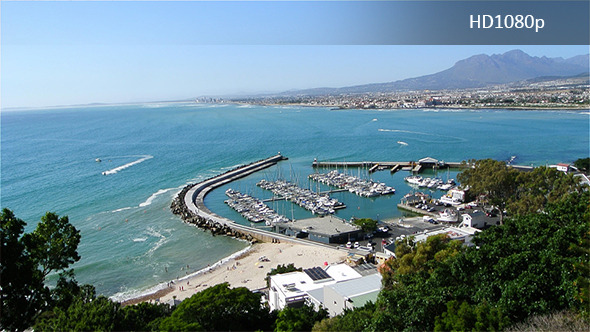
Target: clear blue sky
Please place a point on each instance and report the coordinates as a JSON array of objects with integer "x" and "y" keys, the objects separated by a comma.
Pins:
[{"x": 62, "y": 53}]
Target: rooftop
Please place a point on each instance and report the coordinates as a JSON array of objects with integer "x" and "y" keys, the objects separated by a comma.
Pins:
[{"x": 328, "y": 225}]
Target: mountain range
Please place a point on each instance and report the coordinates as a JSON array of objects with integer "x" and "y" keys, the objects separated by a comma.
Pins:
[{"x": 474, "y": 72}]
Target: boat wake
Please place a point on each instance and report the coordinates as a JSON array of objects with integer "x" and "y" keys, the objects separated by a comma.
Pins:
[
  {"x": 120, "y": 168},
  {"x": 420, "y": 133}
]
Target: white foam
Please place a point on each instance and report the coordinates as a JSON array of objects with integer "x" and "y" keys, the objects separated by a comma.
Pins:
[
  {"x": 120, "y": 168},
  {"x": 122, "y": 209},
  {"x": 154, "y": 196},
  {"x": 140, "y": 239}
]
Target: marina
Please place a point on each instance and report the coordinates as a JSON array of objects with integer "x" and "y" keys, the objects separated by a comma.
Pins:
[
  {"x": 355, "y": 185},
  {"x": 253, "y": 209},
  {"x": 316, "y": 203}
]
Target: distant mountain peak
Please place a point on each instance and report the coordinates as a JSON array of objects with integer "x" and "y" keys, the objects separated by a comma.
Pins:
[{"x": 476, "y": 71}]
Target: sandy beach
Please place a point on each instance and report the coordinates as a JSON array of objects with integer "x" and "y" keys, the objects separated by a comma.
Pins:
[{"x": 247, "y": 270}]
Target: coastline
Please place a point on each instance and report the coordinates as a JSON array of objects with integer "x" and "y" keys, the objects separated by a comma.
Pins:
[{"x": 245, "y": 269}]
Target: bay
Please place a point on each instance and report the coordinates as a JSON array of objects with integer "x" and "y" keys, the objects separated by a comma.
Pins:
[{"x": 132, "y": 243}]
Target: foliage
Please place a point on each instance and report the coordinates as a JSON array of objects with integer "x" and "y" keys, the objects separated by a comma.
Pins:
[
  {"x": 583, "y": 164},
  {"x": 490, "y": 178},
  {"x": 559, "y": 321},
  {"x": 356, "y": 319},
  {"x": 418, "y": 284},
  {"x": 219, "y": 308},
  {"x": 144, "y": 316},
  {"x": 366, "y": 224},
  {"x": 518, "y": 192},
  {"x": 280, "y": 269},
  {"x": 96, "y": 314},
  {"x": 465, "y": 317},
  {"x": 27, "y": 260},
  {"x": 299, "y": 319}
]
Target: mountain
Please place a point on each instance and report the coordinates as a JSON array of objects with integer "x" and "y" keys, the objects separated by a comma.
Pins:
[{"x": 476, "y": 71}]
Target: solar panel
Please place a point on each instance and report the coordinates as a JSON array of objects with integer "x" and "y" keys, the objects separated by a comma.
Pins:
[{"x": 317, "y": 273}]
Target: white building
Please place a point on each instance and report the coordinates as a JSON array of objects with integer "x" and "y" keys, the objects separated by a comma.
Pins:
[
  {"x": 317, "y": 285},
  {"x": 348, "y": 294},
  {"x": 463, "y": 234}
]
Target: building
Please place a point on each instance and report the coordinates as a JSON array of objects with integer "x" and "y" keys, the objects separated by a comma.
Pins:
[
  {"x": 476, "y": 219},
  {"x": 291, "y": 289},
  {"x": 463, "y": 234},
  {"x": 329, "y": 229},
  {"x": 348, "y": 294},
  {"x": 318, "y": 285}
]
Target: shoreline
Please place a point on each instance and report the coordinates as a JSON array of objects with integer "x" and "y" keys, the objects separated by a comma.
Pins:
[{"x": 245, "y": 269}]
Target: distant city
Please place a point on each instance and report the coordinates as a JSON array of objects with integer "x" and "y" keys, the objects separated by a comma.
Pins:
[
  {"x": 510, "y": 80},
  {"x": 559, "y": 93}
]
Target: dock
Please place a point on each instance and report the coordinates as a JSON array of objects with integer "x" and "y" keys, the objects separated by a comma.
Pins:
[{"x": 413, "y": 166}]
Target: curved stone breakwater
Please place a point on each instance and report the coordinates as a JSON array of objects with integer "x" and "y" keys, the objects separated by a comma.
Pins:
[{"x": 189, "y": 205}]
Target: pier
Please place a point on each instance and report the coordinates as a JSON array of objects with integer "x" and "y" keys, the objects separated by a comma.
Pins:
[{"x": 394, "y": 166}]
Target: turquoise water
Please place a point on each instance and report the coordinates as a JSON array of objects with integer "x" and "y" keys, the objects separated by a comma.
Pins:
[{"x": 130, "y": 240}]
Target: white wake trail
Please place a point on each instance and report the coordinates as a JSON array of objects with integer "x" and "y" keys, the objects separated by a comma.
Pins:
[{"x": 120, "y": 168}]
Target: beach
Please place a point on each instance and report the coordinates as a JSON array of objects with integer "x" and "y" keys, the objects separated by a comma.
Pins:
[{"x": 247, "y": 270}]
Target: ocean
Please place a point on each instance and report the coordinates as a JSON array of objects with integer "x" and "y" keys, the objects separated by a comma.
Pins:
[{"x": 131, "y": 242}]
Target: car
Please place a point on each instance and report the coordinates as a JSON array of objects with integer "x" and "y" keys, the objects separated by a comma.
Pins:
[
  {"x": 356, "y": 245},
  {"x": 348, "y": 244}
]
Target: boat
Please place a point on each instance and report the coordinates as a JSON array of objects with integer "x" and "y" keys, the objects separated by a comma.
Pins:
[
  {"x": 448, "y": 215},
  {"x": 97, "y": 160},
  {"x": 402, "y": 143}
]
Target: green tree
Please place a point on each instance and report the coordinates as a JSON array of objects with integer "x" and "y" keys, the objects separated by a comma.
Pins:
[
  {"x": 357, "y": 319},
  {"x": 492, "y": 179},
  {"x": 418, "y": 284},
  {"x": 466, "y": 317},
  {"x": 220, "y": 308},
  {"x": 144, "y": 316},
  {"x": 583, "y": 164},
  {"x": 27, "y": 260},
  {"x": 299, "y": 319},
  {"x": 96, "y": 314},
  {"x": 525, "y": 267},
  {"x": 366, "y": 224}
]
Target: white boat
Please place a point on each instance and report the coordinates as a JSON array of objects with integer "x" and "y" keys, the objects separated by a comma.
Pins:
[
  {"x": 448, "y": 215},
  {"x": 402, "y": 143}
]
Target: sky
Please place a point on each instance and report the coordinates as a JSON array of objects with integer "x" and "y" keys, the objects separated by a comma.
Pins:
[{"x": 66, "y": 53}]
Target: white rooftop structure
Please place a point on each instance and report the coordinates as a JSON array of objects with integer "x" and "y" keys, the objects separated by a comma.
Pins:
[
  {"x": 348, "y": 294},
  {"x": 463, "y": 234},
  {"x": 293, "y": 288}
]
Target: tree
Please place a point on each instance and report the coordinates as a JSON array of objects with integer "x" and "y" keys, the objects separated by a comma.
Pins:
[
  {"x": 492, "y": 179},
  {"x": 583, "y": 164},
  {"x": 220, "y": 308},
  {"x": 144, "y": 316},
  {"x": 366, "y": 224},
  {"x": 95, "y": 314},
  {"x": 356, "y": 319},
  {"x": 299, "y": 319},
  {"x": 27, "y": 260}
]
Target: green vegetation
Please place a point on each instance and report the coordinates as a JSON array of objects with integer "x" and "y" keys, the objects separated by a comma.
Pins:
[
  {"x": 583, "y": 164},
  {"x": 27, "y": 259},
  {"x": 514, "y": 191},
  {"x": 299, "y": 319},
  {"x": 366, "y": 224},
  {"x": 532, "y": 272}
]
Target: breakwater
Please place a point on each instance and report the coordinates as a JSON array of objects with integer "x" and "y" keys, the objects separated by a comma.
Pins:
[{"x": 189, "y": 205}]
